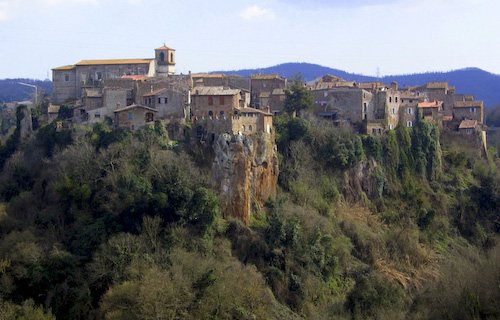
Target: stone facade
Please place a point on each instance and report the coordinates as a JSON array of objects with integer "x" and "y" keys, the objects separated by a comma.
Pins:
[
  {"x": 70, "y": 81},
  {"x": 215, "y": 101},
  {"x": 134, "y": 117}
]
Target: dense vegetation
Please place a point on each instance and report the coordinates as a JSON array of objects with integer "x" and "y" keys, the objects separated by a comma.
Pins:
[{"x": 96, "y": 224}]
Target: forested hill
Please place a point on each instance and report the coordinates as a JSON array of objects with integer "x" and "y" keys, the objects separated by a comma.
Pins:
[
  {"x": 11, "y": 90},
  {"x": 482, "y": 84}
]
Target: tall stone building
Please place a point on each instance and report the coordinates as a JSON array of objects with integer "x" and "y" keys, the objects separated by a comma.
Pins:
[{"x": 70, "y": 82}]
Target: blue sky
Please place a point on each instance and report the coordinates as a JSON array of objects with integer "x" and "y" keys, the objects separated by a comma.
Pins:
[{"x": 396, "y": 36}]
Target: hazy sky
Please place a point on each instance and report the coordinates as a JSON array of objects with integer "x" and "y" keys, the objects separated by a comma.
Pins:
[{"x": 397, "y": 36}]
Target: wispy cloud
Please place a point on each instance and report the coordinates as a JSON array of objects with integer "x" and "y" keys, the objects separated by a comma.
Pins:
[{"x": 257, "y": 13}]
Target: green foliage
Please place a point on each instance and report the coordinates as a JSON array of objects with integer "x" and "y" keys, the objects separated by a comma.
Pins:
[
  {"x": 65, "y": 112},
  {"x": 297, "y": 97}
]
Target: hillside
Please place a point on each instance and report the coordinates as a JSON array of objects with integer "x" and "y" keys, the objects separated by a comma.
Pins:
[
  {"x": 482, "y": 84},
  {"x": 102, "y": 224},
  {"x": 11, "y": 90}
]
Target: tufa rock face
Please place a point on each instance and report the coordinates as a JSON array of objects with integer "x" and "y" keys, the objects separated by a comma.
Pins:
[{"x": 246, "y": 170}]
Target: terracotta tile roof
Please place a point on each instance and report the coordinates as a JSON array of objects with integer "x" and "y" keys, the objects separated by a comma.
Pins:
[
  {"x": 135, "y": 77},
  {"x": 468, "y": 124},
  {"x": 430, "y": 104},
  {"x": 113, "y": 61},
  {"x": 154, "y": 92},
  {"x": 447, "y": 118},
  {"x": 165, "y": 48},
  {"x": 265, "y": 77},
  {"x": 70, "y": 67},
  {"x": 215, "y": 91},
  {"x": 468, "y": 104},
  {"x": 437, "y": 85},
  {"x": 134, "y": 106}
]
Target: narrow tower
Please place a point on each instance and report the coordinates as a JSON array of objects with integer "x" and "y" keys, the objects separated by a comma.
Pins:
[{"x": 165, "y": 61}]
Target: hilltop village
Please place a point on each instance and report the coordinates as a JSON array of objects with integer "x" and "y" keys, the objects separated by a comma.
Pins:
[{"x": 134, "y": 93}]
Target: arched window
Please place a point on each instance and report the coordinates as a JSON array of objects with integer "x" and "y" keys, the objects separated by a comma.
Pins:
[
  {"x": 171, "y": 57},
  {"x": 162, "y": 56},
  {"x": 250, "y": 128},
  {"x": 210, "y": 113},
  {"x": 243, "y": 128}
]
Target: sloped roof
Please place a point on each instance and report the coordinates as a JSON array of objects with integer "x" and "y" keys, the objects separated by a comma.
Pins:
[
  {"x": 437, "y": 85},
  {"x": 165, "y": 48},
  {"x": 113, "y": 61},
  {"x": 135, "y": 106},
  {"x": 135, "y": 77},
  {"x": 265, "y": 94},
  {"x": 468, "y": 124},
  {"x": 265, "y": 77},
  {"x": 278, "y": 92},
  {"x": 70, "y": 67},
  {"x": 430, "y": 104},
  {"x": 154, "y": 92},
  {"x": 215, "y": 91},
  {"x": 468, "y": 104}
]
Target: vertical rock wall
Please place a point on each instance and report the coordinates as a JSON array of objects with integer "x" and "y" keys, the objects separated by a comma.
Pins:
[{"x": 246, "y": 170}]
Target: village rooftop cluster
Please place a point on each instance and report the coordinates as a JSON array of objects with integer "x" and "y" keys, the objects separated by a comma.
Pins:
[{"x": 134, "y": 93}]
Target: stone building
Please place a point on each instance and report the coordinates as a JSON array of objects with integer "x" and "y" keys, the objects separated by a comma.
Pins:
[
  {"x": 469, "y": 110},
  {"x": 261, "y": 88},
  {"x": 134, "y": 117},
  {"x": 352, "y": 106},
  {"x": 68, "y": 82},
  {"x": 215, "y": 101}
]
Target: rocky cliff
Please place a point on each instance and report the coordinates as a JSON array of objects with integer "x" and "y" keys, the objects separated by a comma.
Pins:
[{"x": 246, "y": 171}]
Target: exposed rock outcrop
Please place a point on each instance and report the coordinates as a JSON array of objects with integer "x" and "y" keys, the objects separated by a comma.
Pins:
[{"x": 246, "y": 170}]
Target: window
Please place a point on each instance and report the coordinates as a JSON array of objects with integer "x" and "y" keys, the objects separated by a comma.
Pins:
[
  {"x": 165, "y": 100},
  {"x": 396, "y": 99},
  {"x": 149, "y": 117},
  {"x": 97, "y": 115},
  {"x": 250, "y": 128},
  {"x": 409, "y": 124},
  {"x": 210, "y": 100},
  {"x": 210, "y": 113},
  {"x": 66, "y": 77},
  {"x": 171, "y": 57},
  {"x": 130, "y": 116},
  {"x": 393, "y": 110},
  {"x": 409, "y": 111},
  {"x": 390, "y": 99},
  {"x": 411, "y": 101},
  {"x": 99, "y": 76},
  {"x": 374, "y": 131},
  {"x": 221, "y": 100},
  {"x": 391, "y": 126},
  {"x": 468, "y": 131},
  {"x": 364, "y": 106},
  {"x": 222, "y": 113},
  {"x": 473, "y": 110},
  {"x": 162, "y": 57},
  {"x": 243, "y": 128},
  {"x": 402, "y": 100},
  {"x": 159, "y": 100}
]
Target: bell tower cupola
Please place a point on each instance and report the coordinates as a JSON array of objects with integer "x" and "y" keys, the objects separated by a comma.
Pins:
[{"x": 165, "y": 61}]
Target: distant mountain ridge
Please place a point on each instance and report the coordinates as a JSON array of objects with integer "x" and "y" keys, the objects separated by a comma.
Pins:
[{"x": 482, "y": 84}]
